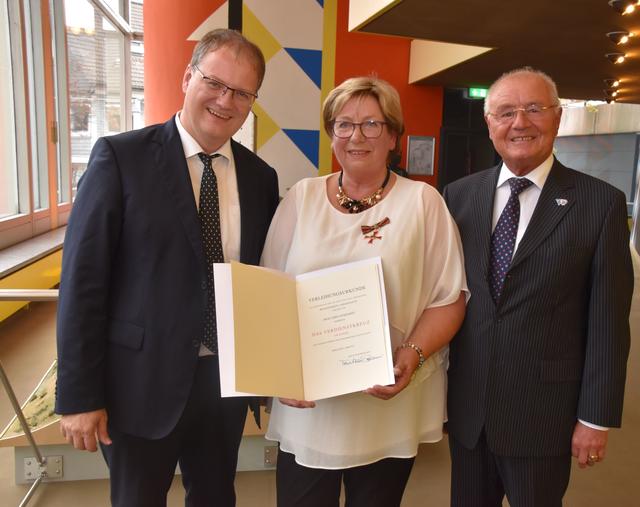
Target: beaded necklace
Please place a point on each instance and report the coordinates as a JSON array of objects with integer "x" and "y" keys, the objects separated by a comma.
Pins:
[{"x": 358, "y": 205}]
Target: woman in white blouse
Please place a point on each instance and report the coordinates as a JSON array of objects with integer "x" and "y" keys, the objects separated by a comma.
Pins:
[{"x": 369, "y": 440}]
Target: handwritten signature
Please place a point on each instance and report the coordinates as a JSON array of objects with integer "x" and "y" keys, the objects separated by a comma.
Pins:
[{"x": 358, "y": 360}]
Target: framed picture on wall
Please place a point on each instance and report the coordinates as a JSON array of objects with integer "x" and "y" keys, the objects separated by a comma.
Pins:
[{"x": 420, "y": 155}]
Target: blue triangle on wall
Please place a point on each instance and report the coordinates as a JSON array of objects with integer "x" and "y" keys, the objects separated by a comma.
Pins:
[
  {"x": 321, "y": 2},
  {"x": 308, "y": 141},
  {"x": 309, "y": 60}
]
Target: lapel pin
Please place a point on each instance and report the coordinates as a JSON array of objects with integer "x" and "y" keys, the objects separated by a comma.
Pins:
[{"x": 561, "y": 202}]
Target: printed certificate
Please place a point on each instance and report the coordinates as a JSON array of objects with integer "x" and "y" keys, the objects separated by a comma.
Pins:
[{"x": 314, "y": 336}]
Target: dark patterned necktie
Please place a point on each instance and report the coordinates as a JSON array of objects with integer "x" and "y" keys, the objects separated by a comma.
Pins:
[
  {"x": 504, "y": 235},
  {"x": 209, "y": 213}
]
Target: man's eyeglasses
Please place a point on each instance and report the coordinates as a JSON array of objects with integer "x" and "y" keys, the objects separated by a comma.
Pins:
[
  {"x": 218, "y": 88},
  {"x": 370, "y": 129},
  {"x": 533, "y": 112}
]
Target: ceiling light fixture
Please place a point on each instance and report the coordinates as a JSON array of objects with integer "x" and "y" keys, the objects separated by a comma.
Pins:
[
  {"x": 615, "y": 57},
  {"x": 624, "y": 6},
  {"x": 620, "y": 37},
  {"x": 610, "y": 93},
  {"x": 612, "y": 83}
]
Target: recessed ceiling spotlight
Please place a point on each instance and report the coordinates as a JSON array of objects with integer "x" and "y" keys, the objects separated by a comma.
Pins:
[
  {"x": 624, "y": 6},
  {"x": 620, "y": 37},
  {"x": 615, "y": 57}
]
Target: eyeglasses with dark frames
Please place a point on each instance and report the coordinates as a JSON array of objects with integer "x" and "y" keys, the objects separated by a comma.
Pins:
[
  {"x": 371, "y": 129},
  {"x": 532, "y": 111},
  {"x": 219, "y": 89}
]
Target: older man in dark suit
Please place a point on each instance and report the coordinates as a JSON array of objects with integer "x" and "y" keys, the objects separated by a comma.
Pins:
[
  {"x": 537, "y": 371},
  {"x": 138, "y": 369}
]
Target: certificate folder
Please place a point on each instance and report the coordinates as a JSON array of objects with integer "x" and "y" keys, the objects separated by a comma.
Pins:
[{"x": 307, "y": 337}]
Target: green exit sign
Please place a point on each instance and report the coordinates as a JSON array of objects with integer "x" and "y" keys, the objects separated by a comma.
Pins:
[{"x": 478, "y": 93}]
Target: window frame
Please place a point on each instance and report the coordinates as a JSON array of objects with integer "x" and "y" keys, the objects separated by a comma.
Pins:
[{"x": 38, "y": 46}]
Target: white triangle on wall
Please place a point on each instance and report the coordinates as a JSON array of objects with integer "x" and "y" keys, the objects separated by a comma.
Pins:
[
  {"x": 430, "y": 57},
  {"x": 218, "y": 19}
]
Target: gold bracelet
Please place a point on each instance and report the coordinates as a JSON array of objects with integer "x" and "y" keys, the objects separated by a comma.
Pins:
[{"x": 409, "y": 345}]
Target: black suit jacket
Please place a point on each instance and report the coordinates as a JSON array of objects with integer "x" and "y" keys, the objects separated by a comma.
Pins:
[
  {"x": 133, "y": 290},
  {"x": 555, "y": 347}
]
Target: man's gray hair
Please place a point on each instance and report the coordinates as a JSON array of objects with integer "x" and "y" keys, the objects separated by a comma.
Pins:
[{"x": 553, "y": 89}]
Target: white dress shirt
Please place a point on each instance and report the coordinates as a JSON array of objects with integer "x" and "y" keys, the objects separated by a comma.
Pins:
[
  {"x": 229, "y": 202},
  {"x": 528, "y": 200},
  {"x": 224, "y": 168},
  {"x": 528, "y": 197}
]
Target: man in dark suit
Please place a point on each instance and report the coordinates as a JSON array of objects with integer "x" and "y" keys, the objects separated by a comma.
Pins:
[
  {"x": 537, "y": 371},
  {"x": 137, "y": 367}
]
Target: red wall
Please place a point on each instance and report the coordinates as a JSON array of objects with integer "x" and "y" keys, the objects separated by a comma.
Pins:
[
  {"x": 167, "y": 52},
  {"x": 359, "y": 54}
]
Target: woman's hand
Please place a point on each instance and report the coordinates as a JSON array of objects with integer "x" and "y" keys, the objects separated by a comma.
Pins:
[
  {"x": 406, "y": 364},
  {"x": 434, "y": 329},
  {"x": 297, "y": 403}
]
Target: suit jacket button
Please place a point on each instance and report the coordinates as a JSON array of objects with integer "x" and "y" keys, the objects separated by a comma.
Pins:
[
  {"x": 204, "y": 285},
  {"x": 195, "y": 343}
]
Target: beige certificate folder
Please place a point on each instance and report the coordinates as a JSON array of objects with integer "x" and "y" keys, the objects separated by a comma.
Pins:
[{"x": 313, "y": 336}]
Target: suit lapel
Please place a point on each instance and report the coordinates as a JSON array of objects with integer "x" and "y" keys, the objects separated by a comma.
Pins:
[
  {"x": 243, "y": 177},
  {"x": 556, "y": 199},
  {"x": 172, "y": 165},
  {"x": 483, "y": 204}
]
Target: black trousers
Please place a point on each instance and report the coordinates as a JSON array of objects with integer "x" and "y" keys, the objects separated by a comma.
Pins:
[
  {"x": 379, "y": 484},
  {"x": 204, "y": 442},
  {"x": 480, "y": 478}
]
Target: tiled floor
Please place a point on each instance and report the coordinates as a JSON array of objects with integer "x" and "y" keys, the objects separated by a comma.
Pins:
[{"x": 27, "y": 347}]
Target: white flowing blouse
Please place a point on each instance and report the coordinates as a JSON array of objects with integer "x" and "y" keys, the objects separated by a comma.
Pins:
[{"x": 423, "y": 267}]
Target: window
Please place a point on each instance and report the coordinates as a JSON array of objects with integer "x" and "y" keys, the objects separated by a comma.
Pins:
[
  {"x": 9, "y": 204},
  {"x": 97, "y": 95},
  {"x": 116, "y": 5},
  {"x": 70, "y": 72}
]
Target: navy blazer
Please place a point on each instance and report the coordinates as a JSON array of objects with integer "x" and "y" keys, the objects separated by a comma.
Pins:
[
  {"x": 555, "y": 347},
  {"x": 133, "y": 289}
]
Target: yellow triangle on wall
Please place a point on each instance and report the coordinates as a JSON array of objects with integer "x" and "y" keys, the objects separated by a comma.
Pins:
[
  {"x": 256, "y": 32},
  {"x": 266, "y": 127},
  {"x": 329, "y": 28}
]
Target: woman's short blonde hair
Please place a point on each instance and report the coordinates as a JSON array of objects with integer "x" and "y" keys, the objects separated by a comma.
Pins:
[{"x": 358, "y": 87}]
